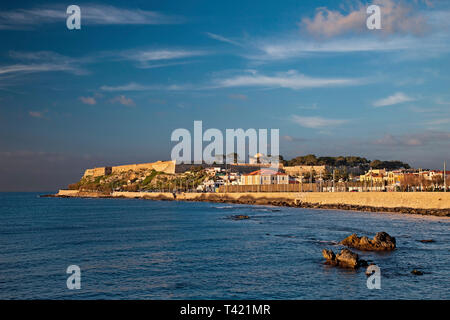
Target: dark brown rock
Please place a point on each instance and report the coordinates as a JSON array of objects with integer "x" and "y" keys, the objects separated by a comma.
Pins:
[
  {"x": 381, "y": 242},
  {"x": 345, "y": 259},
  {"x": 240, "y": 217},
  {"x": 427, "y": 241},
  {"x": 417, "y": 272}
]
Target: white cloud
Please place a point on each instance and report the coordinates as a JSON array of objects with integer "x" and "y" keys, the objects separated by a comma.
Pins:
[
  {"x": 161, "y": 54},
  {"x": 414, "y": 139},
  {"x": 290, "y": 79},
  {"x": 90, "y": 14},
  {"x": 293, "y": 47},
  {"x": 317, "y": 122},
  {"x": 127, "y": 87},
  {"x": 396, "y": 98},
  {"x": 128, "y": 102},
  {"x": 43, "y": 61},
  {"x": 222, "y": 39},
  {"x": 156, "y": 58},
  {"x": 36, "y": 114},
  {"x": 439, "y": 121},
  {"x": 132, "y": 86},
  {"x": 292, "y": 139},
  {"x": 88, "y": 100}
]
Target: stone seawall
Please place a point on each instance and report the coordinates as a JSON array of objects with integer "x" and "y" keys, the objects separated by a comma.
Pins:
[
  {"x": 427, "y": 203},
  {"x": 417, "y": 200},
  {"x": 129, "y": 195}
]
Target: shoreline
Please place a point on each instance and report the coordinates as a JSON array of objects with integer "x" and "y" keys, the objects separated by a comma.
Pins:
[{"x": 426, "y": 204}]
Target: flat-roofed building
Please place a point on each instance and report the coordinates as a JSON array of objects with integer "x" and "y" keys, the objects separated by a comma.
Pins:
[{"x": 264, "y": 177}]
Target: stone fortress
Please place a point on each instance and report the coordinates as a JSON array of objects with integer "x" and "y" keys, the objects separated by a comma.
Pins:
[{"x": 161, "y": 166}]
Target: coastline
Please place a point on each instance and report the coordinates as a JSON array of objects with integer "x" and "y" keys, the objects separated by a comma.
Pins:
[{"x": 423, "y": 203}]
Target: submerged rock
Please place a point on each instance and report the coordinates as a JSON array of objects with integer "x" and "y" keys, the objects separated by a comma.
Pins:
[
  {"x": 240, "y": 217},
  {"x": 345, "y": 259},
  {"x": 417, "y": 272},
  {"x": 381, "y": 242},
  {"x": 427, "y": 241}
]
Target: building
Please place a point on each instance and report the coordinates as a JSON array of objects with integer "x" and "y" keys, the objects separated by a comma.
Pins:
[
  {"x": 374, "y": 176},
  {"x": 264, "y": 177}
]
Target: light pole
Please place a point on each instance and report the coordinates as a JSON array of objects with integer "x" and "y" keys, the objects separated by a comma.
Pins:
[{"x": 445, "y": 180}]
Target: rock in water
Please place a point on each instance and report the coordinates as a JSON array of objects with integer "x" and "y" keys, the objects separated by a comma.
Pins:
[
  {"x": 345, "y": 259},
  {"x": 240, "y": 217},
  {"x": 417, "y": 272},
  {"x": 329, "y": 256},
  {"x": 381, "y": 242},
  {"x": 427, "y": 241},
  {"x": 348, "y": 258}
]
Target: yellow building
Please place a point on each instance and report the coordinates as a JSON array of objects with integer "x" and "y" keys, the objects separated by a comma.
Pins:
[
  {"x": 374, "y": 176},
  {"x": 264, "y": 177}
]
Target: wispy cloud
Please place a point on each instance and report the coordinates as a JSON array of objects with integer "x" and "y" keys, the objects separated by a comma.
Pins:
[
  {"x": 223, "y": 39},
  {"x": 439, "y": 121},
  {"x": 151, "y": 58},
  {"x": 311, "y": 107},
  {"x": 132, "y": 86},
  {"x": 128, "y": 102},
  {"x": 43, "y": 61},
  {"x": 292, "y": 139},
  {"x": 88, "y": 100},
  {"x": 37, "y": 114},
  {"x": 290, "y": 79},
  {"x": 414, "y": 139},
  {"x": 396, "y": 98},
  {"x": 294, "y": 47},
  {"x": 91, "y": 15},
  {"x": 317, "y": 122},
  {"x": 164, "y": 54}
]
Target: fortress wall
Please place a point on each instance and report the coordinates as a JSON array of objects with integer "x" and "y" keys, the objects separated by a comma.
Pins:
[
  {"x": 162, "y": 166},
  {"x": 68, "y": 193},
  {"x": 95, "y": 172}
]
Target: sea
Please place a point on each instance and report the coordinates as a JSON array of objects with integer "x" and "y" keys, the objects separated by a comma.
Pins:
[{"x": 142, "y": 249}]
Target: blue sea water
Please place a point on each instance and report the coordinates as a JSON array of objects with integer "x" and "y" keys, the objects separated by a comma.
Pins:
[{"x": 140, "y": 249}]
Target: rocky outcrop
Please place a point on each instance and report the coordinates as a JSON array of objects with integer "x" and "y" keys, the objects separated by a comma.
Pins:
[
  {"x": 345, "y": 259},
  {"x": 381, "y": 242}
]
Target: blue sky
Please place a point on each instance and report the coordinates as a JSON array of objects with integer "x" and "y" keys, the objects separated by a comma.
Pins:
[{"x": 113, "y": 92}]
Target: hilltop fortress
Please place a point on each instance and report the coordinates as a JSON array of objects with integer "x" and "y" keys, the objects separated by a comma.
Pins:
[{"x": 160, "y": 166}]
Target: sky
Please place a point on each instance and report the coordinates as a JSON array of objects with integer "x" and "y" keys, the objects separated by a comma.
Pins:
[{"x": 113, "y": 92}]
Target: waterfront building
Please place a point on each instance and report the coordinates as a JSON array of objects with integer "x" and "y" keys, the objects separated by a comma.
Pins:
[{"x": 264, "y": 177}]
